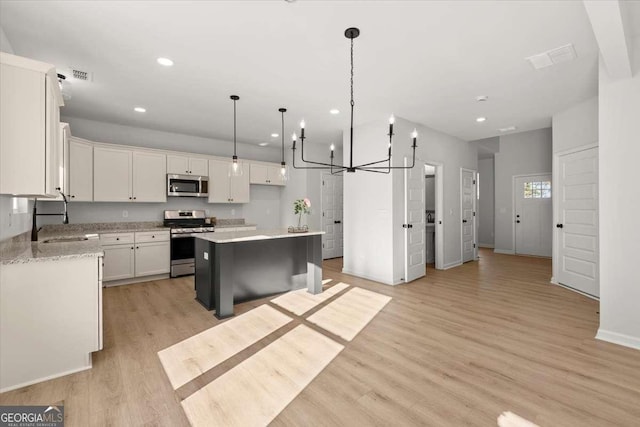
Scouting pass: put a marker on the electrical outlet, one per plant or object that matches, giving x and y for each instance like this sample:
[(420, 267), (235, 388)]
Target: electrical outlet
[(125, 214), (233, 212)]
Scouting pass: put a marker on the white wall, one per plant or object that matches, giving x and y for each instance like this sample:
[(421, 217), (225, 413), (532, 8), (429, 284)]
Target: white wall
[(374, 203), (486, 203), (576, 126), (520, 154), (619, 147)]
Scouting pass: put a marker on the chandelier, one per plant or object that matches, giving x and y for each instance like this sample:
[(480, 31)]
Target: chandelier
[(380, 166)]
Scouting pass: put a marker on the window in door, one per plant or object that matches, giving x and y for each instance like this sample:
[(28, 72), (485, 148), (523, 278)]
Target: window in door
[(537, 190)]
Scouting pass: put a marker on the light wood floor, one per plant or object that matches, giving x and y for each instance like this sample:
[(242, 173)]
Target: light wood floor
[(455, 348)]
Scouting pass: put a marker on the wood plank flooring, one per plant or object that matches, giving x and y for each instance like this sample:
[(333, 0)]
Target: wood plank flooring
[(457, 347)]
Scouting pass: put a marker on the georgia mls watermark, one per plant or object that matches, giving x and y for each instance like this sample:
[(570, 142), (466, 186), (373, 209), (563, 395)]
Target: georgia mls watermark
[(32, 416)]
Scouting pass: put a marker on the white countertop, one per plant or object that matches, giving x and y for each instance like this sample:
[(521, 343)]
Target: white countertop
[(252, 235)]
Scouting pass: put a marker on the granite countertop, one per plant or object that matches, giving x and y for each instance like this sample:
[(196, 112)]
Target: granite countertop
[(25, 251), (223, 226), (251, 235)]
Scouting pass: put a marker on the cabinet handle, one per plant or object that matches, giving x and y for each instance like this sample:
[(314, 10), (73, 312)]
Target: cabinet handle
[(137, 247), (134, 198), (132, 247), (117, 238), (58, 188), (73, 197), (129, 198)]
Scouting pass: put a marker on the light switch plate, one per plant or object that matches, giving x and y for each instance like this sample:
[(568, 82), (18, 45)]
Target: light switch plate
[(206, 255)]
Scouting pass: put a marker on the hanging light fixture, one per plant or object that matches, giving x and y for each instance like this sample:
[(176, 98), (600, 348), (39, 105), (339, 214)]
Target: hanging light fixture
[(235, 169), (284, 170), (377, 166)]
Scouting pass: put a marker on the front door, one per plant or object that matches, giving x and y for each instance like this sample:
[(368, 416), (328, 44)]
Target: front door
[(533, 215), (332, 216), (577, 226), (414, 222), (468, 207)]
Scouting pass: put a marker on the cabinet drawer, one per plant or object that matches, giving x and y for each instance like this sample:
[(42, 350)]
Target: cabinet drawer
[(116, 238), (152, 236)]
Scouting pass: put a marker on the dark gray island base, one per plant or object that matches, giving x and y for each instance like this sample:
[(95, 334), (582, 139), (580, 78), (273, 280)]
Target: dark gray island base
[(238, 266)]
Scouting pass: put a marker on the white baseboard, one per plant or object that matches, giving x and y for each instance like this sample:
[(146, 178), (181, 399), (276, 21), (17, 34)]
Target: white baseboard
[(368, 277), (486, 245), (504, 251), (135, 280), (49, 377), (554, 282), (452, 264), (620, 339)]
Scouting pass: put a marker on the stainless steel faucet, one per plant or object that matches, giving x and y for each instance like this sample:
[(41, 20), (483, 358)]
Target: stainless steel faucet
[(34, 227)]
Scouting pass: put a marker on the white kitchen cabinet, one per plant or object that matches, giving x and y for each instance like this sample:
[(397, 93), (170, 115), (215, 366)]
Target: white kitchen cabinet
[(149, 177), (30, 102), (112, 174), (152, 258), (132, 255), (261, 173), (185, 165), (224, 188), (119, 262), (123, 175), (79, 186)]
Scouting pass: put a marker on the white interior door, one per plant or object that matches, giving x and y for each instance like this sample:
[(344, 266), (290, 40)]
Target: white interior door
[(468, 207), (533, 215), (332, 240), (414, 222), (577, 227)]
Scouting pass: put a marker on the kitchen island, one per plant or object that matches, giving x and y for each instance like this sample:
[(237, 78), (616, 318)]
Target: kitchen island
[(239, 266)]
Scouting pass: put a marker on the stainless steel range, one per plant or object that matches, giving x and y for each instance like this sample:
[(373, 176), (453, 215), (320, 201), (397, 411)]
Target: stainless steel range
[(183, 225)]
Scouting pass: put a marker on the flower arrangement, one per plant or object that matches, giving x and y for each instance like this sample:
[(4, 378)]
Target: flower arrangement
[(301, 206)]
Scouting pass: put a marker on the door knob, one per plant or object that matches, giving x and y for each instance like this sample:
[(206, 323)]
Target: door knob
[(464, 220), (337, 222), (517, 221), (559, 225)]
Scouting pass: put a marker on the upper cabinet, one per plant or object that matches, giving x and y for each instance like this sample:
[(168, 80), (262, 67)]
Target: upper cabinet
[(30, 102), (124, 175), (184, 165), (79, 184), (261, 173), (224, 188)]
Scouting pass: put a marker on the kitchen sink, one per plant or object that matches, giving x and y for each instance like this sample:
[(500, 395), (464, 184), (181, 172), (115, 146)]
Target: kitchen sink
[(66, 239)]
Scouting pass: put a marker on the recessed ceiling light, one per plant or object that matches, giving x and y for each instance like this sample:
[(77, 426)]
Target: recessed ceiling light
[(481, 119), (334, 111), (263, 144), (274, 135), (507, 129), (140, 110), (165, 61), (482, 98)]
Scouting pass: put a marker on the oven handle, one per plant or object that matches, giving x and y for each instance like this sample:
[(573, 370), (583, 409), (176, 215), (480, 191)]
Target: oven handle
[(181, 236)]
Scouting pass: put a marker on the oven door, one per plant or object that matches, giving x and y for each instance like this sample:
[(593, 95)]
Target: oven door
[(187, 186), (182, 254)]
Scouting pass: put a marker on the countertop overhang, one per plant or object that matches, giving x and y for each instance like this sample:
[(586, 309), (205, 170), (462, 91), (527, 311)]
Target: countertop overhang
[(252, 235)]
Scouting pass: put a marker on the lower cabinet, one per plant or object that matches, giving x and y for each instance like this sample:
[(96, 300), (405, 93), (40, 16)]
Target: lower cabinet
[(133, 255)]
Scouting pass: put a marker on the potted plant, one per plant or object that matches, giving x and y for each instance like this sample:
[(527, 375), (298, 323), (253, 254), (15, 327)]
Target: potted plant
[(300, 207)]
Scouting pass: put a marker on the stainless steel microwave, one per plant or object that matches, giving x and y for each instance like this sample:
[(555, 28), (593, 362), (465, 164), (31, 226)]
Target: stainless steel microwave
[(187, 186)]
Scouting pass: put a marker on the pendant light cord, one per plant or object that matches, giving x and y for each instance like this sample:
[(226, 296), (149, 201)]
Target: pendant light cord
[(234, 127), (282, 134)]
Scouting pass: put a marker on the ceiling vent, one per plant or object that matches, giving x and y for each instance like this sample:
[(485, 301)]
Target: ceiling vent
[(81, 75), (507, 129), (553, 57)]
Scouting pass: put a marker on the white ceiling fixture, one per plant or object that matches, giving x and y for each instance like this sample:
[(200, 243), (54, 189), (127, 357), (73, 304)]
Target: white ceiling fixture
[(263, 144), (508, 129), (334, 111), (140, 110), (481, 119), (482, 98), (552, 57), (165, 61), (274, 135)]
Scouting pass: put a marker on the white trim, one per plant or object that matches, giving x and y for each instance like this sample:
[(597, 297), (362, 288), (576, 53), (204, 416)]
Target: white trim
[(452, 264), (617, 338), (49, 377), (486, 245), (554, 282), (133, 280), (504, 251), (374, 278)]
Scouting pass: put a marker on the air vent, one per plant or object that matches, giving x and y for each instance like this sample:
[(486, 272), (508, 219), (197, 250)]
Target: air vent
[(81, 75), (507, 129), (553, 57)]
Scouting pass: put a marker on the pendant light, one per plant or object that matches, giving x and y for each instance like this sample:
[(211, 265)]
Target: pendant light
[(377, 166), (235, 168), (284, 170)]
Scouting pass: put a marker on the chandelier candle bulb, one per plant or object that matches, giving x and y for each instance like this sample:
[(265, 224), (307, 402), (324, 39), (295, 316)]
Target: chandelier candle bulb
[(414, 135), (302, 129), (391, 122)]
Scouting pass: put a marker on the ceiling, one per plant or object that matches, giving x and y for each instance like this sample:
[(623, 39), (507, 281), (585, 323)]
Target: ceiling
[(425, 61)]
